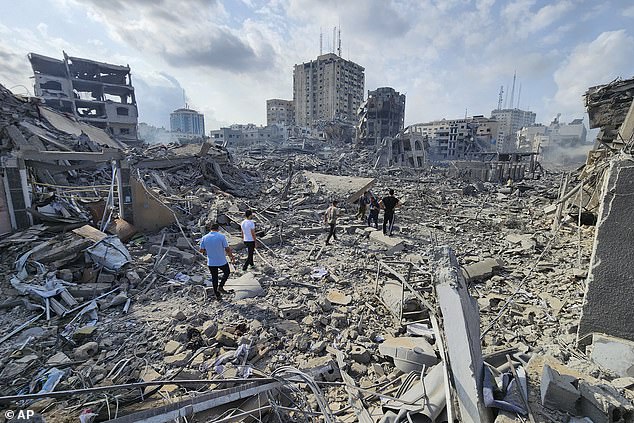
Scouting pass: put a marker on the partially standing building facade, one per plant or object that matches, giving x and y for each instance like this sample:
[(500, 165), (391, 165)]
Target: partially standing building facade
[(381, 115), (98, 93)]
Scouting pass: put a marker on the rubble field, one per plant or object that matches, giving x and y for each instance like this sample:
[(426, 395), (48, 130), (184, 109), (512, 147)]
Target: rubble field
[(473, 310)]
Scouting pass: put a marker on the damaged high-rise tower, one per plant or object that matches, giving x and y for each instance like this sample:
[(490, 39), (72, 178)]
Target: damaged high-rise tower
[(381, 115), (98, 93)]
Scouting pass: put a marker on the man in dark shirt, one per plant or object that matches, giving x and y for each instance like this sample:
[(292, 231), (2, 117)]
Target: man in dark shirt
[(388, 204)]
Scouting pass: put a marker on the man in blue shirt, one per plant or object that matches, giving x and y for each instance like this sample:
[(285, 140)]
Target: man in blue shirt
[(215, 246)]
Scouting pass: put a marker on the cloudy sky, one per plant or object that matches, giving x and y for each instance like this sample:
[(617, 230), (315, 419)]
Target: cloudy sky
[(229, 56)]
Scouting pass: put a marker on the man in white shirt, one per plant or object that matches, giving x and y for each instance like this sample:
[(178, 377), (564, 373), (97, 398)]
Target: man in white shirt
[(248, 236)]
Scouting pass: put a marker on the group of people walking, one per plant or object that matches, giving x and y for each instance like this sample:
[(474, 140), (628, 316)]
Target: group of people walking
[(215, 247), (368, 200)]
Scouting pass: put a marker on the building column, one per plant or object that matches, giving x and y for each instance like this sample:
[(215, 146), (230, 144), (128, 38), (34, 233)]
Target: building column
[(16, 189)]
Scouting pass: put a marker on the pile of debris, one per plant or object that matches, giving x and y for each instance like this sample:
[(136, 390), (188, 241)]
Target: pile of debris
[(108, 318)]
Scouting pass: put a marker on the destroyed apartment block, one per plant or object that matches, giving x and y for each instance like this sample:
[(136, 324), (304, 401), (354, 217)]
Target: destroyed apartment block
[(97, 93), (107, 313)]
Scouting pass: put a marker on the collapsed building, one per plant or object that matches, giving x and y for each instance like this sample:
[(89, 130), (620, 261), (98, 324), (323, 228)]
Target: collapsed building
[(381, 115), (485, 306), (97, 93)]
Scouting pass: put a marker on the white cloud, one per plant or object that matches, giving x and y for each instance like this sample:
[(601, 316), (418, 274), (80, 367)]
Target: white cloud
[(591, 64)]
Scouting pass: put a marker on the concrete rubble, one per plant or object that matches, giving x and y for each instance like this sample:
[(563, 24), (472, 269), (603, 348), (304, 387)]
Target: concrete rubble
[(484, 306)]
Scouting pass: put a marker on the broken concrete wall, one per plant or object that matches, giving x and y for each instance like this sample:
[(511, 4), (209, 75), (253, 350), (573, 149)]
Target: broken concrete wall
[(607, 305), (149, 213)]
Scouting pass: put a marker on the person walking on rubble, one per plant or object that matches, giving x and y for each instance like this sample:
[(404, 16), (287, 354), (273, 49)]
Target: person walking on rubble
[(214, 245), (374, 211), (248, 236), (389, 203), (364, 200), (330, 218)]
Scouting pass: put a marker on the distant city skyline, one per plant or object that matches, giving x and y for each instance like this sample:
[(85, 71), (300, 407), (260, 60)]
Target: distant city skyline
[(447, 56)]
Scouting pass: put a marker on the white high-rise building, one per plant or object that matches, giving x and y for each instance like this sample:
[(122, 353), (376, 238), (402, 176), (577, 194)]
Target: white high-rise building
[(511, 121)]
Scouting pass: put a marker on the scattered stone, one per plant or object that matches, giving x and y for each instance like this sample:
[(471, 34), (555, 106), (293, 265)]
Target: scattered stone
[(171, 347), (86, 351), (178, 315)]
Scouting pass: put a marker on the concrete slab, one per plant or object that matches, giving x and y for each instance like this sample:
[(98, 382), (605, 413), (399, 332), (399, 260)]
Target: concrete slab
[(338, 297), (409, 353), (345, 188), (461, 332), (482, 269), (607, 304), (393, 243), (613, 353), (246, 286), (559, 392)]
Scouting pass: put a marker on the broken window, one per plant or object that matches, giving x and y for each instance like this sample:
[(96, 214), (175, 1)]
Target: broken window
[(123, 111), (51, 85), (125, 131)]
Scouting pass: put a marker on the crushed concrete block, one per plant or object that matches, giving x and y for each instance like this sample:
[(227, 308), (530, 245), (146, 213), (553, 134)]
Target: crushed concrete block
[(210, 329), (227, 339), (133, 277), (84, 352), (319, 346), (58, 359), (409, 353), (559, 392), (171, 347), (290, 311), (178, 315), (179, 359), (358, 369), (360, 354), (246, 286), (325, 304), (105, 278), (65, 275), (623, 383), (613, 353), (394, 244), (322, 368), (482, 269), (338, 297), (182, 333), (601, 405), (182, 243), (338, 320)]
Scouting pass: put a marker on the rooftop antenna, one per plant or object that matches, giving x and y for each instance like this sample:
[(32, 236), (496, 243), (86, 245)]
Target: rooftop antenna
[(184, 98), (506, 97), (500, 98), (513, 90), (321, 42), (339, 48), (519, 95)]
